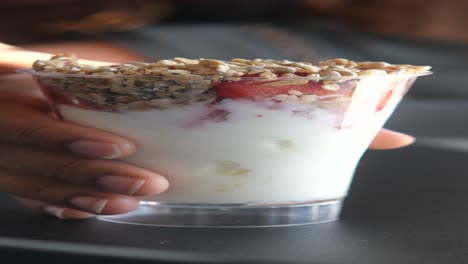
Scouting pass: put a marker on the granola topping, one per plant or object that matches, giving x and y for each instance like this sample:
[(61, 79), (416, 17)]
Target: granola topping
[(181, 81), (216, 69)]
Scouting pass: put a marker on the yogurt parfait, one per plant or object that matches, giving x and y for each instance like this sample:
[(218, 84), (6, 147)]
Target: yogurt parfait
[(241, 142)]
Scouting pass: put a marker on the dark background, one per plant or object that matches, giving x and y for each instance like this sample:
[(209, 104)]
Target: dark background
[(24, 21)]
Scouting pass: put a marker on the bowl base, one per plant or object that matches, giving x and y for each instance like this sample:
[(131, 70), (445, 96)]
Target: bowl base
[(229, 215)]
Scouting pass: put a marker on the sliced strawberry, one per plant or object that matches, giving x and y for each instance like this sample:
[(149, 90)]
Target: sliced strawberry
[(384, 100), (214, 114), (370, 97), (255, 90), (247, 90), (57, 95)]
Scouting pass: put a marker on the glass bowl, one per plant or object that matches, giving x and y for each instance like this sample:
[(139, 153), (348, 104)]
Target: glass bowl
[(238, 151)]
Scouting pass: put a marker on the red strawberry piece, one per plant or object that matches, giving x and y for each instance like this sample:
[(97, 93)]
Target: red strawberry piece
[(213, 115), (370, 97), (255, 90), (57, 95), (216, 115), (384, 100)]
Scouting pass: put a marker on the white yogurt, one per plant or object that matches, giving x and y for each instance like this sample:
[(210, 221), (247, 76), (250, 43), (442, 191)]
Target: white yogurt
[(256, 155)]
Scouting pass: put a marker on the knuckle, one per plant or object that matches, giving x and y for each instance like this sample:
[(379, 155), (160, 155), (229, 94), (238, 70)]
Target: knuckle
[(25, 134), (31, 188), (66, 168), (35, 188), (49, 193), (43, 192)]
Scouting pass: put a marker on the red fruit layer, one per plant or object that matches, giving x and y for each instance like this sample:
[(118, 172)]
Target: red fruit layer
[(384, 100), (255, 90)]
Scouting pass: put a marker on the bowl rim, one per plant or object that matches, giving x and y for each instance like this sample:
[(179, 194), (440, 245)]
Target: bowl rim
[(210, 77)]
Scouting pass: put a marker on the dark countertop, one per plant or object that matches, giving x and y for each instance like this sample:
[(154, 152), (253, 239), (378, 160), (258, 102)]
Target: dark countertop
[(405, 206)]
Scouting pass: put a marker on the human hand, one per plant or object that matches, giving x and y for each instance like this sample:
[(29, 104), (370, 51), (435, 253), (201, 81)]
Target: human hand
[(67, 170)]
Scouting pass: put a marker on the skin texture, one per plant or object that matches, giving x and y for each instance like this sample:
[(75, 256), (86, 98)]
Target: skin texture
[(67, 170)]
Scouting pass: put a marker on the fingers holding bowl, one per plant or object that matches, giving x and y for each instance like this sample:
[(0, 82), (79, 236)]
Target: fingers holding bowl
[(54, 210), (86, 199)]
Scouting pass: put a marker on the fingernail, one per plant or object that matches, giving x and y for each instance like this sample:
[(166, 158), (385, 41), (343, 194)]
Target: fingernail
[(95, 149), (55, 211), (121, 184), (94, 204), (69, 213), (66, 213), (410, 139), (405, 139)]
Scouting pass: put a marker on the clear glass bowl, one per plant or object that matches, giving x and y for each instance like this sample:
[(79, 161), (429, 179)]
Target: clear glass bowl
[(237, 152)]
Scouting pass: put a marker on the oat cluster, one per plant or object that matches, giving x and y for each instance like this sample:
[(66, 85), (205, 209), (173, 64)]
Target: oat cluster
[(179, 81)]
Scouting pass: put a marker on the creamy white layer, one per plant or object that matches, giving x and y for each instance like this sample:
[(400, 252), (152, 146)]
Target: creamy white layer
[(257, 154)]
